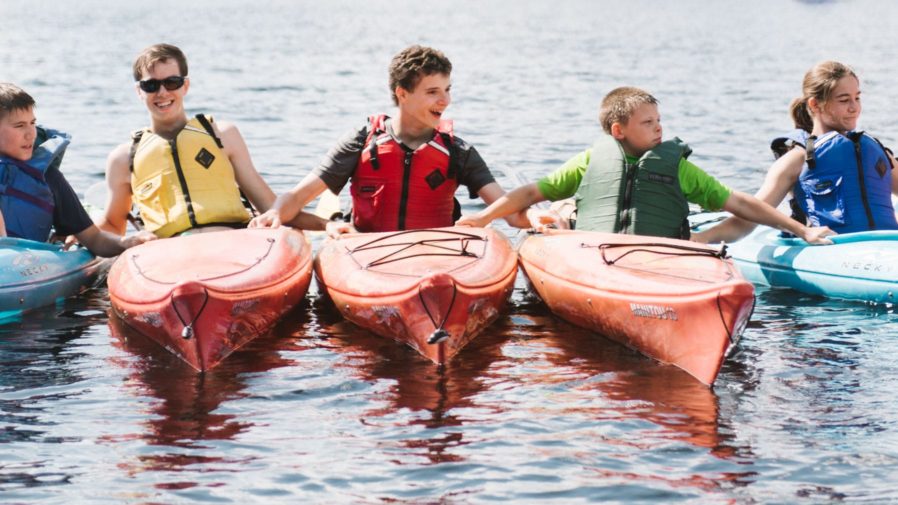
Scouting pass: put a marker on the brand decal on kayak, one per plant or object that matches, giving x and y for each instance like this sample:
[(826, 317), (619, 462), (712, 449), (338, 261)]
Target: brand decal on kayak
[(866, 267), (34, 270), (653, 311), (29, 264)]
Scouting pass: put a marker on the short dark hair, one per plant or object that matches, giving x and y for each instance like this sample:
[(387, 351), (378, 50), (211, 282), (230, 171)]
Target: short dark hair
[(619, 104), (413, 63), (13, 98), (159, 53)]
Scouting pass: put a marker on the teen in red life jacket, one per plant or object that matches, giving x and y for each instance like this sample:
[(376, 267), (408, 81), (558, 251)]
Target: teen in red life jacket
[(404, 169)]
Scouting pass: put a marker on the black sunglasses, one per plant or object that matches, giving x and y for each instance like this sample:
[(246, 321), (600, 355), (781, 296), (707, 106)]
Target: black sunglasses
[(171, 83)]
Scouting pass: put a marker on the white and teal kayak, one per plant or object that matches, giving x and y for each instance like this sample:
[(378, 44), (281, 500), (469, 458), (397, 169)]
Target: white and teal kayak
[(35, 274), (858, 266)]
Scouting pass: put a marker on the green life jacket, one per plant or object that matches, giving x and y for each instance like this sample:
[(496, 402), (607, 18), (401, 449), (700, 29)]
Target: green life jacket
[(644, 198)]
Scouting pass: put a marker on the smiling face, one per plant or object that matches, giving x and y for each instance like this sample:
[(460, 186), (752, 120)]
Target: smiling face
[(422, 107), (841, 110), (17, 133), (641, 132), (165, 106)]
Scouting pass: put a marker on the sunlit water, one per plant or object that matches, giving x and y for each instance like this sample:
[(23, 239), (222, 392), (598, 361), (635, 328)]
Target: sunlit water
[(534, 410)]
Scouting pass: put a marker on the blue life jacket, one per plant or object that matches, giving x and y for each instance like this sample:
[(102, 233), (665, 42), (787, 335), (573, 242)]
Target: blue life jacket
[(26, 200), (846, 182)]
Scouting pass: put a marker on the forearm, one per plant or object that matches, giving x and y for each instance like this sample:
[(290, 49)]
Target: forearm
[(518, 219), (754, 210), (111, 225), (290, 204), (513, 202), (100, 242), (730, 229), (308, 221)]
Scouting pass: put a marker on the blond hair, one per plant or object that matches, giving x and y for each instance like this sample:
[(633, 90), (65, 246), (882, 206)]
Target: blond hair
[(620, 104)]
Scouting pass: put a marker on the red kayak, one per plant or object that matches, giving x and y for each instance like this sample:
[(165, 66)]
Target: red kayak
[(204, 295), (679, 302), (433, 289)]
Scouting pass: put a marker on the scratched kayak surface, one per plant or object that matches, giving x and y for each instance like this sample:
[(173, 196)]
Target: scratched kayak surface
[(534, 409)]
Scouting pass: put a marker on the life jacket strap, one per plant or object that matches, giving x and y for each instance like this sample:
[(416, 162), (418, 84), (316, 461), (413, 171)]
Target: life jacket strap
[(372, 148), (135, 141), (889, 154), (798, 213), (452, 172), (27, 169), (207, 125), (25, 197), (810, 157)]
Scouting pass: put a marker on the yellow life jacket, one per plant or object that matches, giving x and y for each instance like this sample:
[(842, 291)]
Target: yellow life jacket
[(184, 183)]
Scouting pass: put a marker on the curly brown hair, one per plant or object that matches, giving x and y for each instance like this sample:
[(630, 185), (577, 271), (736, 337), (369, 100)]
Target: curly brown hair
[(414, 62)]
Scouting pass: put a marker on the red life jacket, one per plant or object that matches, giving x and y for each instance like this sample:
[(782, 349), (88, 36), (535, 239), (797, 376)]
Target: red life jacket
[(394, 188)]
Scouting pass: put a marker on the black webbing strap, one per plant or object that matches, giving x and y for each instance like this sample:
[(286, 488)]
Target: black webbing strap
[(810, 157), (135, 140), (207, 125)]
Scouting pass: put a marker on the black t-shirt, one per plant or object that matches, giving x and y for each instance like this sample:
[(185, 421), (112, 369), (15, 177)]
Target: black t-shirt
[(69, 216), (341, 161)]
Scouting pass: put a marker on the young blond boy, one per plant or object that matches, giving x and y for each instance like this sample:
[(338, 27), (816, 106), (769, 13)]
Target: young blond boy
[(632, 182)]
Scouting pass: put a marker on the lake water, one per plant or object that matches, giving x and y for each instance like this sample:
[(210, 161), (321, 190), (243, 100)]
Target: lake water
[(532, 411)]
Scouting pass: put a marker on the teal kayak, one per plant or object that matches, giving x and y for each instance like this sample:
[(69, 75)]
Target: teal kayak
[(858, 266), (35, 274)]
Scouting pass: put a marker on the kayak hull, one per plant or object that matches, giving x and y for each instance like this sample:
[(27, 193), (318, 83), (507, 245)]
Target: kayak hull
[(202, 296), (433, 290), (857, 266), (36, 274), (671, 300)]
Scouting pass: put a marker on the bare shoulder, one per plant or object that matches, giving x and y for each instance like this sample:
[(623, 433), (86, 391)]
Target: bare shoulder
[(796, 155), (225, 128), (230, 136), (792, 161), (119, 160)]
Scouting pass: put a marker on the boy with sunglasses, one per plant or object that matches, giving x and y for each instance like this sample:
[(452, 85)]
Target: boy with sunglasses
[(184, 174), (35, 197), (404, 170)]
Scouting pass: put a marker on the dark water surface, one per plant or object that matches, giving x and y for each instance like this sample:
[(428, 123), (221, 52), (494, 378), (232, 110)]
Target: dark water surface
[(534, 410)]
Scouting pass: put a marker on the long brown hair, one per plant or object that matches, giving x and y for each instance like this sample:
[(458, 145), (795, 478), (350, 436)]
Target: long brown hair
[(819, 82)]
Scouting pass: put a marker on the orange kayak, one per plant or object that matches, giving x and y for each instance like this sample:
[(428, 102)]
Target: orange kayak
[(433, 289), (204, 295), (679, 302)]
